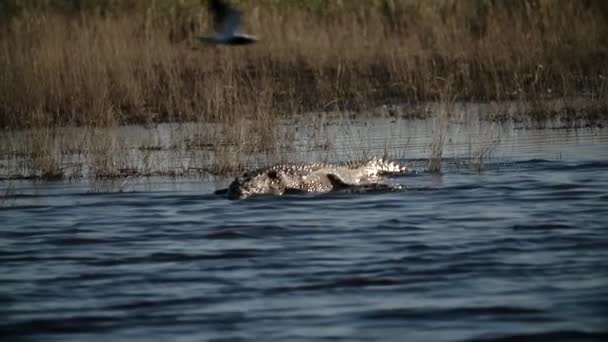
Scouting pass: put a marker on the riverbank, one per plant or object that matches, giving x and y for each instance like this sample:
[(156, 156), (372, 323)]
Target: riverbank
[(138, 62), (77, 77)]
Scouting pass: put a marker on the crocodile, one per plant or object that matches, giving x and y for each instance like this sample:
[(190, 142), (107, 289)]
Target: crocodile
[(282, 179)]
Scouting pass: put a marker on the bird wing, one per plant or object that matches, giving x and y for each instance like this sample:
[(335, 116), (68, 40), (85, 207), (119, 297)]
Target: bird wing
[(227, 19), (231, 25)]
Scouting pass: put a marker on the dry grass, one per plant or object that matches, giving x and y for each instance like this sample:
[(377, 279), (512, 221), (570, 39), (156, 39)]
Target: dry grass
[(137, 61), (107, 63)]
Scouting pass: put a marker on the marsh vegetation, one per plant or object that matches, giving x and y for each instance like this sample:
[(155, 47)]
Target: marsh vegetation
[(90, 66)]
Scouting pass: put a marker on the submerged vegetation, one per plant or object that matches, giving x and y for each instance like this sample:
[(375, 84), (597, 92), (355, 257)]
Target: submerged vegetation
[(106, 63)]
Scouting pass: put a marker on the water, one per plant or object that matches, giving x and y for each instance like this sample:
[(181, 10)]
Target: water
[(186, 149), (517, 251)]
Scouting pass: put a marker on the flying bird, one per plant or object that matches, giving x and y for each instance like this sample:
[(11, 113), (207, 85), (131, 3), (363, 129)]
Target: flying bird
[(227, 22)]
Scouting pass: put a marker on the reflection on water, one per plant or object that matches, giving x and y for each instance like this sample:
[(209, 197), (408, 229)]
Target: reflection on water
[(197, 149), (516, 251)]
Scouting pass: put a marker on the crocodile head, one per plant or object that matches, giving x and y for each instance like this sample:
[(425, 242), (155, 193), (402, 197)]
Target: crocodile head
[(259, 183)]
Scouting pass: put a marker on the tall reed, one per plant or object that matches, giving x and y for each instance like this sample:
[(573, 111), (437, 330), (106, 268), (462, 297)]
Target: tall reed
[(106, 63), (110, 62)]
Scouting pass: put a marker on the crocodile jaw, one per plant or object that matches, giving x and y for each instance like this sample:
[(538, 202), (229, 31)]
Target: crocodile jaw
[(268, 183)]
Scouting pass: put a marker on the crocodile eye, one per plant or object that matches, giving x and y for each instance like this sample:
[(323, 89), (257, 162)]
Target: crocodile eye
[(272, 174)]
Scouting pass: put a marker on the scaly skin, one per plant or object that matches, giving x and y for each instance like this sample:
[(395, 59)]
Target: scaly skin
[(311, 177)]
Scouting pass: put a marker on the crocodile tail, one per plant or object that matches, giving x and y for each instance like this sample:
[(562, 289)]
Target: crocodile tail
[(390, 167), (380, 165)]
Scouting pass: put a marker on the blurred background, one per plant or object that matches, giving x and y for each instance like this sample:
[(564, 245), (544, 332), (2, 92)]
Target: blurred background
[(105, 62)]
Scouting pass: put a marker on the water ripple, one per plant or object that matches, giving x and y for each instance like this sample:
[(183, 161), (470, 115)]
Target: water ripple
[(514, 253)]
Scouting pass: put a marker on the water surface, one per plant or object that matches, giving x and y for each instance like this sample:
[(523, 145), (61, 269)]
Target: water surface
[(518, 250)]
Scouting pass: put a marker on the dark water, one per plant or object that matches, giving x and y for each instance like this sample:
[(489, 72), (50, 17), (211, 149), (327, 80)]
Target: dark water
[(519, 251)]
